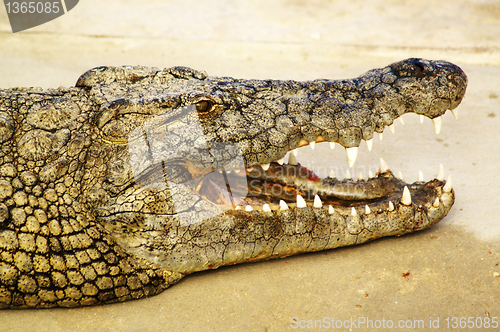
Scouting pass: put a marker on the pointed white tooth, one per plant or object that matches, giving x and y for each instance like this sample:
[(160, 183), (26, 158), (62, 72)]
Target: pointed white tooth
[(437, 124), (283, 205), (370, 174), (281, 161), (248, 208), (455, 113), (436, 203), (332, 174), (367, 209), (238, 208), (383, 166), (352, 154), (348, 175), (228, 171), (292, 160), (391, 206), (300, 202), (421, 117), (330, 209), (400, 175), (295, 152), (249, 169), (266, 208), (406, 199), (401, 120), (312, 144), (447, 186), (220, 171), (265, 167), (381, 136), (360, 176), (440, 175), (237, 171), (420, 176), (332, 145), (317, 202), (391, 127), (353, 212), (369, 144)]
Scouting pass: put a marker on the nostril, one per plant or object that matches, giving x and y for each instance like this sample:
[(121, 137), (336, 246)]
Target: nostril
[(419, 67)]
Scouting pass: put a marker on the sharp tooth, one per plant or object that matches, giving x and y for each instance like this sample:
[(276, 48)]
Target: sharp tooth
[(300, 202), (228, 171), (360, 176), (266, 208), (283, 205), (249, 169), (436, 203), (330, 209), (238, 208), (332, 174), (437, 124), (353, 212), (295, 152), (421, 117), (391, 127), (281, 161), (401, 120), (370, 174), (312, 144), (400, 175), (303, 142), (381, 136), (440, 175), (348, 175), (455, 113), (447, 186), (406, 199), (352, 154), (420, 176), (367, 209), (292, 160), (265, 167), (237, 170), (248, 208), (317, 202), (369, 144), (332, 145), (383, 166), (391, 206)]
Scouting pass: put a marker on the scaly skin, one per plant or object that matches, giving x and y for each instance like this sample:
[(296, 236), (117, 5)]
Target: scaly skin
[(87, 218)]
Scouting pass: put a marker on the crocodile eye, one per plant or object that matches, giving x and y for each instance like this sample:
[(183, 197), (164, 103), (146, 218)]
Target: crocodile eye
[(203, 106)]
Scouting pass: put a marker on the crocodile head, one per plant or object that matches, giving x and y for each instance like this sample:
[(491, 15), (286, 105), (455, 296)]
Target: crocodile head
[(116, 188), (184, 148)]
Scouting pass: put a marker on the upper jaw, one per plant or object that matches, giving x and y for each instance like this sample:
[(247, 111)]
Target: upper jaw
[(346, 112)]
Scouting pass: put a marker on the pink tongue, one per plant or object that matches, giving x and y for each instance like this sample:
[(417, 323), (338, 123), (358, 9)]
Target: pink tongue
[(277, 171)]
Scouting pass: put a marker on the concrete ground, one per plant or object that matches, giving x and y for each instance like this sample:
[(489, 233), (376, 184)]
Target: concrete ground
[(451, 266)]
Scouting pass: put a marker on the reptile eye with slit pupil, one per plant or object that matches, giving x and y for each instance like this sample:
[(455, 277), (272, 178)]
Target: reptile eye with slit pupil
[(203, 106)]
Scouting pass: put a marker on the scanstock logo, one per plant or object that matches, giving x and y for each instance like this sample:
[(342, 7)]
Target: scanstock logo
[(162, 148), (25, 15)]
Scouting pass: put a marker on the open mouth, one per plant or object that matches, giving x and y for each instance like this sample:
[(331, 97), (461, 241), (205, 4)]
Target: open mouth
[(286, 184)]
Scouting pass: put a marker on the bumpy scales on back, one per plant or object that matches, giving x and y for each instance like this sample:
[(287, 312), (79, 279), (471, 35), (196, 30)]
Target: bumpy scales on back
[(115, 189)]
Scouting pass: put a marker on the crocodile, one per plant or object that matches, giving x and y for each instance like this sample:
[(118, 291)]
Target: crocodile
[(117, 188)]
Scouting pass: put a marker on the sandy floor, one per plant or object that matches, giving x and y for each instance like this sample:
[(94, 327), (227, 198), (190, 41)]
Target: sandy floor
[(451, 265)]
